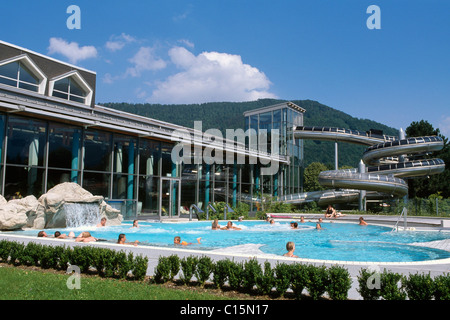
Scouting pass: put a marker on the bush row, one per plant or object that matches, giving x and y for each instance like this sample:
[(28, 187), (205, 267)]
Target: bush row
[(106, 262), (393, 286), (248, 276), (251, 277)]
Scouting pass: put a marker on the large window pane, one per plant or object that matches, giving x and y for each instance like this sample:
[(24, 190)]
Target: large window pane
[(9, 70), (97, 146), (124, 154), (62, 85), (24, 181), (55, 177), (26, 141), (76, 89), (148, 195), (123, 186), (97, 183), (64, 146), (26, 75), (149, 157), (169, 169)]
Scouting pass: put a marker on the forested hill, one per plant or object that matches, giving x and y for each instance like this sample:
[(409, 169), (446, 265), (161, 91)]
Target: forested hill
[(229, 115)]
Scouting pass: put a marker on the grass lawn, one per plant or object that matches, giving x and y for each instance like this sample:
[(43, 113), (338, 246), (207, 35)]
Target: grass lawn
[(27, 284)]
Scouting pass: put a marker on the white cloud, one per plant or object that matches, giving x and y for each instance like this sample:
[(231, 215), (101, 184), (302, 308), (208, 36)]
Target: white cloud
[(72, 50), (444, 126), (211, 76), (145, 60), (118, 42)]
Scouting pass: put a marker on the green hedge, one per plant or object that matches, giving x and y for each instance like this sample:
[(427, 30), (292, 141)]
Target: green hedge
[(393, 286), (249, 276), (106, 262)]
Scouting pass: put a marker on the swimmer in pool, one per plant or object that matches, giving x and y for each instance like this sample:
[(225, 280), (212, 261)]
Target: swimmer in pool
[(177, 241), (215, 225), (230, 227), (290, 247), (362, 222)]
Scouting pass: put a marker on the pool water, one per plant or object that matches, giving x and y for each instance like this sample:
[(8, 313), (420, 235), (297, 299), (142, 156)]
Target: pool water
[(336, 241)]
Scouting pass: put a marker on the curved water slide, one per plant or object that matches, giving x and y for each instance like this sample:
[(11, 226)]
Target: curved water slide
[(388, 160)]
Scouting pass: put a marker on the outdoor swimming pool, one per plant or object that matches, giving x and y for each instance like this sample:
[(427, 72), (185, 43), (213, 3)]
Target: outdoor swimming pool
[(336, 241)]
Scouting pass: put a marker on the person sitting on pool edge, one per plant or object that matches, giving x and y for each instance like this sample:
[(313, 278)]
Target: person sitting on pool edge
[(177, 241), (290, 247), (122, 238), (230, 227)]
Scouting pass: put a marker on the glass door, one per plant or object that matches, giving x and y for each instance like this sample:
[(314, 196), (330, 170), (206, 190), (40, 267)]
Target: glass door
[(170, 197)]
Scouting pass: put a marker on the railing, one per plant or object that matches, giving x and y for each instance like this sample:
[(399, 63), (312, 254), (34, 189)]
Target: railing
[(404, 215), (191, 208)]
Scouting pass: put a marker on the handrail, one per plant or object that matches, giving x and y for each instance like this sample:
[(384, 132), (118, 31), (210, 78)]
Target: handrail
[(209, 206), (194, 206), (404, 215)]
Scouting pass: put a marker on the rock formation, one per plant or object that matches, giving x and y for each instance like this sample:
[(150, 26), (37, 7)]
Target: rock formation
[(49, 210)]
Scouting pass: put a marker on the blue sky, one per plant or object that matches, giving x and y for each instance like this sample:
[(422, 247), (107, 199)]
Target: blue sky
[(240, 50)]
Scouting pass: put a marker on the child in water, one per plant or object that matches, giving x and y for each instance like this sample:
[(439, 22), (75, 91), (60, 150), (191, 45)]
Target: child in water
[(177, 241)]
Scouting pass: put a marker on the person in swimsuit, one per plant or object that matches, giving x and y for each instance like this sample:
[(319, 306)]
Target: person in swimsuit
[(177, 241), (122, 240), (290, 247)]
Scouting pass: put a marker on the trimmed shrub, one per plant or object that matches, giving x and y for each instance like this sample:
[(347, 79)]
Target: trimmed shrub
[(4, 250), (267, 281), (162, 271), (251, 275), (282, 278), (299, 279), (392, 286), (48, 258), (339, 283), (123, 264), (31, 254), (188, 267), (365, 279), (419, 287), (15, 251), (442, 287), (205, 267), (82, 257), (221, 271), (174, 262), (235, 274), (139, 269), (317, 283)]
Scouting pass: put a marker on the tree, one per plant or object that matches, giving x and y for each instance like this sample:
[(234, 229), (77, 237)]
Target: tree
[(424, 186), (311, 176)]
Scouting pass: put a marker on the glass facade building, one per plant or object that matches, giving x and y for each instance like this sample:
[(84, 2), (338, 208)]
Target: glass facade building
[(282, 118), (52, 132)]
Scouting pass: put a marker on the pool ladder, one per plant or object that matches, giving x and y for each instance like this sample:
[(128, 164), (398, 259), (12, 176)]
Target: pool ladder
[(404, 214)]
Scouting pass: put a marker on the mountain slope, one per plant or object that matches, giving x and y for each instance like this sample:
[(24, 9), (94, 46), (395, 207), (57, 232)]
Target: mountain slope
[(229, 115)]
